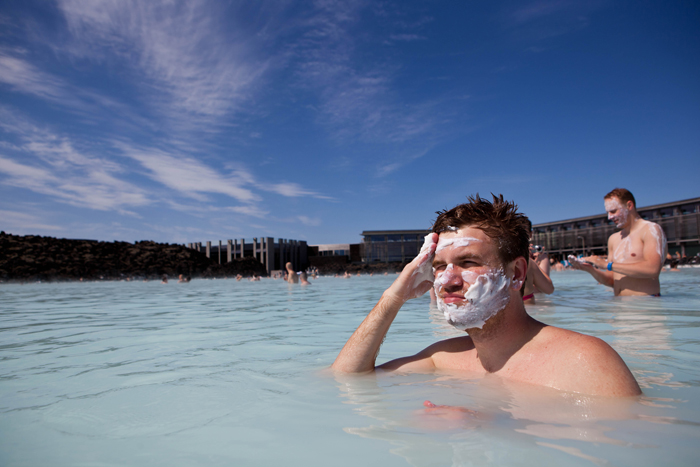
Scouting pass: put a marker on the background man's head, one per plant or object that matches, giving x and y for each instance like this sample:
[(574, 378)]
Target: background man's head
[(499, 220), (623, 195)]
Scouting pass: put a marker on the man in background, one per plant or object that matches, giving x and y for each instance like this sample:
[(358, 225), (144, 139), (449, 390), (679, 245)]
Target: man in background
[(635, 254)]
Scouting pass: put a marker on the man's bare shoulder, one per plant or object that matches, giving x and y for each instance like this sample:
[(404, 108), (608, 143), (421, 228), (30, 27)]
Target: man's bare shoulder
[(564, 339), (586, 364), (648, 227)]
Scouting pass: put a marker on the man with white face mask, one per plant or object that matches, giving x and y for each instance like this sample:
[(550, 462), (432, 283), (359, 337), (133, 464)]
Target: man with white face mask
[(479, 257), (635, 254)]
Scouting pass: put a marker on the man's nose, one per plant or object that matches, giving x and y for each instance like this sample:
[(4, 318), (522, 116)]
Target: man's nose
[(453, 280)]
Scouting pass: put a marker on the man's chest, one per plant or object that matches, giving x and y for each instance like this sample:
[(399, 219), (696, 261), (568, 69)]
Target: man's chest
[(628, 249)]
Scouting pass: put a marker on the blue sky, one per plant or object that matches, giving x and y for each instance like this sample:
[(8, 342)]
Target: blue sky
[(194, 121)]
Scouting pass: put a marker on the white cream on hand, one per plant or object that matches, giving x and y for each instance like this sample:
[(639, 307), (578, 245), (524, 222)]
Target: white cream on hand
[(424, 272)]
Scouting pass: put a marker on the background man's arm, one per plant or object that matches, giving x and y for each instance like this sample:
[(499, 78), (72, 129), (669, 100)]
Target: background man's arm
[(652, 260), (540, 280), (603, 277), (542, 260), (360, 351)]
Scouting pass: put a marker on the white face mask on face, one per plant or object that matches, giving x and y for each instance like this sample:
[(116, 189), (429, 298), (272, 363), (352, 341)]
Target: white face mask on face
[(621, 212), (487, 295)]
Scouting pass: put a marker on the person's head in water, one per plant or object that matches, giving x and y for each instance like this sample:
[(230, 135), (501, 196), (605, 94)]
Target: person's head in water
[(500, 220), (619, 204)]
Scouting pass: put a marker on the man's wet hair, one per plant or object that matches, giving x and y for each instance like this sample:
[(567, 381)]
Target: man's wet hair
[(623, 195), (500, 220)]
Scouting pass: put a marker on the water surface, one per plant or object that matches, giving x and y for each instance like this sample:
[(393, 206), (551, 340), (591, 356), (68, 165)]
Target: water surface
[(219, 372)]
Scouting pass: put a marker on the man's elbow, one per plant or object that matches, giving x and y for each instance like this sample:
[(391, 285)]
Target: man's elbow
[(342, 367)]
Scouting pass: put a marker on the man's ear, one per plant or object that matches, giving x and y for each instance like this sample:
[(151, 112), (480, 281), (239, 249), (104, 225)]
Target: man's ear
[(630, 205), (519, 268)]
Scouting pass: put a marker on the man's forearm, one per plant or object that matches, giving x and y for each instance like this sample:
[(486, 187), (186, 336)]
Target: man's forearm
[(603, 277), (640, 270), (360, 351)]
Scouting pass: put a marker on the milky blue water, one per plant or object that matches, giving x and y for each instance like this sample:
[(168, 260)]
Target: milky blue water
[(219, 372)]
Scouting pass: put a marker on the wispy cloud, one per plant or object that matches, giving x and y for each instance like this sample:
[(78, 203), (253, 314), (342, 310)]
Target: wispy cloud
[(13, 221), (313, 222), (405, 38), (94, 190), (199, 210), (291, 190), (52, 166), (24, 77), (180, 48), (191, 177), (539, 9), (195, 179), (544, 19), (21, 75), (357, 97)]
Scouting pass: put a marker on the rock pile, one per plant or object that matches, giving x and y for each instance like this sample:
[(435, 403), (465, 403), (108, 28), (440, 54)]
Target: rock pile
[(31, 258)]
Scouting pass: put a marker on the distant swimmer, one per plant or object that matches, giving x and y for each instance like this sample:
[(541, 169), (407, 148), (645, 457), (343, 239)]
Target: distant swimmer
[(476, 260), (292, 276), (635, 254), (304, 278)]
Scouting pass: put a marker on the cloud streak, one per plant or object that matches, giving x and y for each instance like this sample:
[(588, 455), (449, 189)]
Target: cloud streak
[(179, 48), (24, 77), (195, 179), (357, 97), (191, 177), (52, 166), (12, 220)]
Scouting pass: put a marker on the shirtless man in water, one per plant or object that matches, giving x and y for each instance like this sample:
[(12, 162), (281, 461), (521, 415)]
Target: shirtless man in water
[(636, 253), (292, 276), (479, 257)]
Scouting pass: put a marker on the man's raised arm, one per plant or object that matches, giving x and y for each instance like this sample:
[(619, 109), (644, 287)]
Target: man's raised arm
[(360, 351)]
